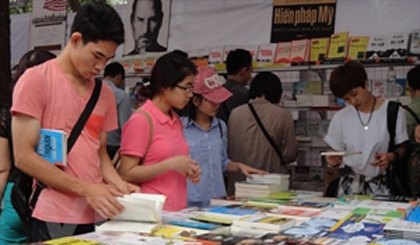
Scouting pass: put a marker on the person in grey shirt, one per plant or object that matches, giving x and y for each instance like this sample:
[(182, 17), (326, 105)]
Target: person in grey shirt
[(114, 76), (239, 68)]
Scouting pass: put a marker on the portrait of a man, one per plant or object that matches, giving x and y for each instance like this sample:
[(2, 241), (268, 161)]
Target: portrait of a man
[(147, 19)]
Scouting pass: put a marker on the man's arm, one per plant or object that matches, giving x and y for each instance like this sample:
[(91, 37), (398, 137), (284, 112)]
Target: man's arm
[(124, 110), (109, 172), (25, 131), (4, 164)]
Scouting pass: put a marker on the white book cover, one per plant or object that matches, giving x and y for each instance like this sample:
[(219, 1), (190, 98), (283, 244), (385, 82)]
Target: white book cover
[(266, 53), (415, 42), (216, 55), (397, 45), (143, 213)]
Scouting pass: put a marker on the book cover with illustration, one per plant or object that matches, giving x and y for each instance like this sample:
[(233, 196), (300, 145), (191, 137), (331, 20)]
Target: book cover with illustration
[(52, 146), (266, 53), (338, 46), (377, 47), (319, 49), (283, 53), (357, 230), (358, 47), (312, 227), (300, 50)]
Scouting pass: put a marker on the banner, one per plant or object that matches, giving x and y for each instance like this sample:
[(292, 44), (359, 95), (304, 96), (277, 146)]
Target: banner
[(299, 19), (147, 26), (48, 27)]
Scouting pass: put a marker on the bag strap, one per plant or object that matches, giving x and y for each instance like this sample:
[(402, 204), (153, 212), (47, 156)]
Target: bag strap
[(75, 132), (392, 114), (80, 124), (273, 144), (412, 113), (151, 132)]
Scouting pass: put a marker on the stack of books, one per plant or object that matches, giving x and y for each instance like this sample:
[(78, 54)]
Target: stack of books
[(260, 186), (400, 229)]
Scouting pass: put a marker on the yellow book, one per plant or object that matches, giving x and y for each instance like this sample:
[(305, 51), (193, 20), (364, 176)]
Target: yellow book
[(74, 241), (357, 48), (338, 45), (319, 49)]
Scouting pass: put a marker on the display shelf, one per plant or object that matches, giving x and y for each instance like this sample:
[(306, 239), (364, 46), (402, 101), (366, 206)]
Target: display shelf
[(314, 67)]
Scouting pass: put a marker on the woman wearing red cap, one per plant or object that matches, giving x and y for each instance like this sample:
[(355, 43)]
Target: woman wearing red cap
[(207, 138)]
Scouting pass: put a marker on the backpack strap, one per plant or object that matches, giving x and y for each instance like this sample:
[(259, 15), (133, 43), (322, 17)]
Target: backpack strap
[(392, 115), (412, 113), (272, 143), (75, 132)]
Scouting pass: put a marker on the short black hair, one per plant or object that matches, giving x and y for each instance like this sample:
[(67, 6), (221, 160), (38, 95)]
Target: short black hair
[(157, 6), (238, 59), (97, 21), (267, 84), (346, 77), (413, 78), (180, 52), (191, 110), (113, 69), (169, 70)]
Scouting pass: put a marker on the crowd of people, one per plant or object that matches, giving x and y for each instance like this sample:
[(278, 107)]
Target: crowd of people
[(225, 133)]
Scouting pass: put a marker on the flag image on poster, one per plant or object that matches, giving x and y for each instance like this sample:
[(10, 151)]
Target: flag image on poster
[(147, 26), (55, 5), (48, 25), (297, 19)]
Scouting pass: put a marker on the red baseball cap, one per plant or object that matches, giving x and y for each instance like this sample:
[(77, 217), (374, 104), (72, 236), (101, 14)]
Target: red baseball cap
[(208, 83)]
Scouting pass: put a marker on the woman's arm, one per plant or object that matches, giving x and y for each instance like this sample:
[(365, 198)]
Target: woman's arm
[(131, 171), (5, 164)]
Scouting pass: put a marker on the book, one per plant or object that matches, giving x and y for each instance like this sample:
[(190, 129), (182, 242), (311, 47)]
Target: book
[(397, 45), (306, 205), (389, 241), (268, 178), (311, 227), (195, 224), (338, 46), (258, 186), (143, 213), (212, 219), (232, 213), (72, 240), (299, 50), (340, 153), (261, 224), (283, 53), (52, 146), (227, 200), (296, 214), (266, 53), (216, 55), (415, 43), (357, 230), (253, 50), (396, 206), (357, 48), (377, 47), (319, 49)]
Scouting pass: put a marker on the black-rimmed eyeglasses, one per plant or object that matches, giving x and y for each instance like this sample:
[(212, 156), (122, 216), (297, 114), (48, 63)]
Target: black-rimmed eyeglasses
[(186, 89)]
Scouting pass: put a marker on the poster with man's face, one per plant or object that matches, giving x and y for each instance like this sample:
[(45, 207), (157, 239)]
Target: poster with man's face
[(147, 26)]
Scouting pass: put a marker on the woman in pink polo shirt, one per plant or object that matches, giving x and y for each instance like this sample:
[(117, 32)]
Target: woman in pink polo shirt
[(166, 165)]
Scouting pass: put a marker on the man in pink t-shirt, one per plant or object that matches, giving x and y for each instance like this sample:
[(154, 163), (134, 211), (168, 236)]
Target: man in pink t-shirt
[(53, 96)]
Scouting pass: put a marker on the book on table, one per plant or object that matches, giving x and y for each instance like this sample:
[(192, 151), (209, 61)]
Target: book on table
[(143, 214), (261, 224)]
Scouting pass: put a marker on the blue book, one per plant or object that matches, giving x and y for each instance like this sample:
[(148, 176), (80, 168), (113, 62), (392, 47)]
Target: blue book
[(195, 224), (390, 241), (351, 230), (52, 146)]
